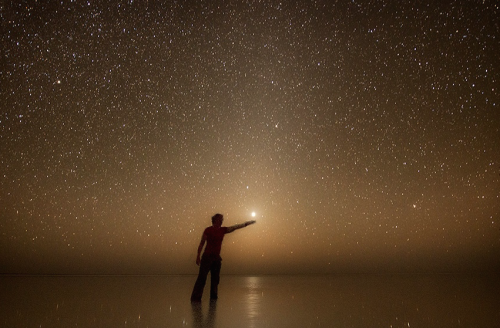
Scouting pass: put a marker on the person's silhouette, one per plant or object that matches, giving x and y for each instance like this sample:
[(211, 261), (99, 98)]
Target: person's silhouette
[(211, 260)]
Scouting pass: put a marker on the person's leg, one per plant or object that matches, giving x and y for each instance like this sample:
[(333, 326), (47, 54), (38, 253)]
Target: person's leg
[(201, 280), (214, 279)]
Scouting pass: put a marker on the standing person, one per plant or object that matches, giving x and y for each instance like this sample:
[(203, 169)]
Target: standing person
[(211, 260)]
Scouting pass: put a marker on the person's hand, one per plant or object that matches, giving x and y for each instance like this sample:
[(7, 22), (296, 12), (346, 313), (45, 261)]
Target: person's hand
[(198, 260), (250, 222)]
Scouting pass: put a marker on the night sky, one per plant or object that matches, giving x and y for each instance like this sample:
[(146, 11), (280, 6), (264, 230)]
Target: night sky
[(365, 135)]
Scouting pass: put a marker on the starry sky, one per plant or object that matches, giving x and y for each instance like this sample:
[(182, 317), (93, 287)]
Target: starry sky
[(364, 135)]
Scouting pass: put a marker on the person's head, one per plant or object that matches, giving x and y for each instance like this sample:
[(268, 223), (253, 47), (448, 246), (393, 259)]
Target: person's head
[(217, 220)]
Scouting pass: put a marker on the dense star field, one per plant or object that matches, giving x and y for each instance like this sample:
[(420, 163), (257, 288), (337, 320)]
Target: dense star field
[(364, 135)]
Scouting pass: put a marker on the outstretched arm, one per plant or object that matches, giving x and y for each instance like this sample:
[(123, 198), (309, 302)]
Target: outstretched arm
[(200, 248), (239, 226)]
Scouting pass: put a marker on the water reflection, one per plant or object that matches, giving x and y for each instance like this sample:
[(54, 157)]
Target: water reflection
[(253, 299), (443, 301), (201, 321)]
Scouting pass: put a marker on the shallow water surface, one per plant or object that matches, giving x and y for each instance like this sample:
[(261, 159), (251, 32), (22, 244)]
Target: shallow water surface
[(244, 301)]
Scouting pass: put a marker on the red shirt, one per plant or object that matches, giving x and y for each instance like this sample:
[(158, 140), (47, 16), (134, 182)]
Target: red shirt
[(214, 239)]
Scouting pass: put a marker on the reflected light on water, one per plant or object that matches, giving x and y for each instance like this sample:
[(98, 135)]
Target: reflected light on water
[(253, 298)]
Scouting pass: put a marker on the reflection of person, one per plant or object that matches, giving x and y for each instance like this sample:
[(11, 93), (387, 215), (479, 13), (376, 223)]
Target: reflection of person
[(200, 321), (211, 260)]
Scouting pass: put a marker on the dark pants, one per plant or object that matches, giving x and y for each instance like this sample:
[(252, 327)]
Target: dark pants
[(212, 264)]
